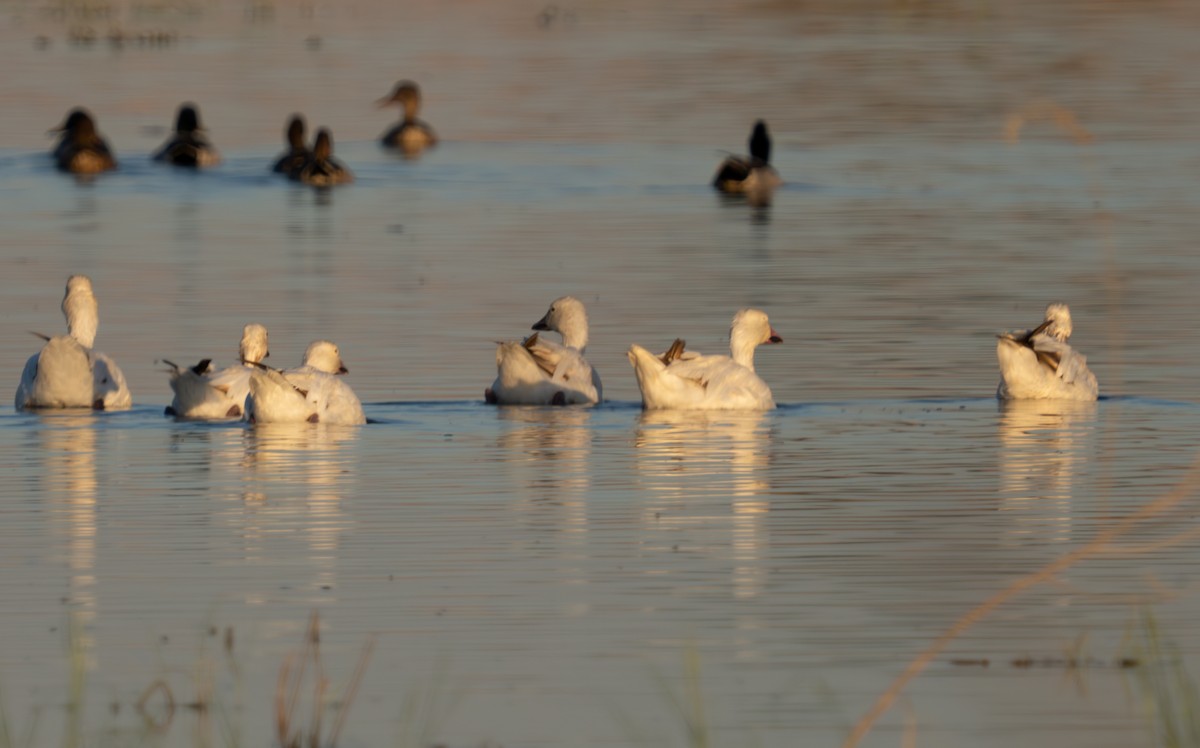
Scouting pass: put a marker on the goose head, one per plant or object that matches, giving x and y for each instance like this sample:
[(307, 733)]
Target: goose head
[(1059, 317), (323, 355), (81, 310), (750, 329), (568, 317), (254, 343)]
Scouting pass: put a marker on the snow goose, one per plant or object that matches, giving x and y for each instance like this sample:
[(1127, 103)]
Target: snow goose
[(683, 380), (412, 135), (752, 175), (204, 394), (81, 150), (188, 146), (1038, 364), (541, 372), (310, 393), (67, 372)]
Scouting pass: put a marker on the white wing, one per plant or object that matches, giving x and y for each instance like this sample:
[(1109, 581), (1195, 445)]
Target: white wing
[(108, 383)]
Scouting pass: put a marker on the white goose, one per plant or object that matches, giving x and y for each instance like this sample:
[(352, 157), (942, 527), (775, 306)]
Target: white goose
[(67, 373), (1038, 364), (686, 380), (310, 393), (204, 394), (542, 372)]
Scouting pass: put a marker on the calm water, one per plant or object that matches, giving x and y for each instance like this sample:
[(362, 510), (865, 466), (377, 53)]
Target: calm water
[(547, 577)]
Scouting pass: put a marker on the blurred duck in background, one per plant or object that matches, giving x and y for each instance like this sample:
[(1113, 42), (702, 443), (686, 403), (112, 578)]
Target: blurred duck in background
[(187, 146), (751, 175), (321, 169), (297, 154), (412, 135), (80, 149)]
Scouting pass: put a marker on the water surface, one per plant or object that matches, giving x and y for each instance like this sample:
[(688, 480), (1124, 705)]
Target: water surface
[(545, 576)]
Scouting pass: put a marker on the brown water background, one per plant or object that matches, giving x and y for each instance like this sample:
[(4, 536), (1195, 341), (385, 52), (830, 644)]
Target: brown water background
[(540, 573)]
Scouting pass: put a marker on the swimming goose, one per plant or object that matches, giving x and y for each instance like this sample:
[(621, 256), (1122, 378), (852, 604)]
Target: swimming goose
[(67, 372), (541, 372), (681, 379), (311, 393), (322, 169), (81, 150), (1038, 364), (204, 394), (753, 174), (412, 135), (297, 153), (188, 146)]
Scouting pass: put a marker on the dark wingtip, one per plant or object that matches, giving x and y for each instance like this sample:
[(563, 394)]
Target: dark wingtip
[(1029, 336), (674, 352)]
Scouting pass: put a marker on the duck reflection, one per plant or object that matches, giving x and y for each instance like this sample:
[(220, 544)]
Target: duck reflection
[(705, 458), (294, 477), (551, 447), (68, 479), (1043, 445)]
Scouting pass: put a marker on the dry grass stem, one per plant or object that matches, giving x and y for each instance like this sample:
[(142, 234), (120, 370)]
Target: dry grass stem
[(909, 738), (288, 689), (1099, 544), (1169, 695), (360, 669)]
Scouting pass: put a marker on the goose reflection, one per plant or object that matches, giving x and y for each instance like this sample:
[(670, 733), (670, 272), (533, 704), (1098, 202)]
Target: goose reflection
[(694, 461), (1043, 445), (294, 477), (70, 486), (550, 449)]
